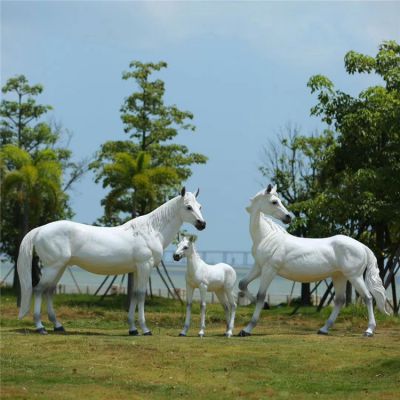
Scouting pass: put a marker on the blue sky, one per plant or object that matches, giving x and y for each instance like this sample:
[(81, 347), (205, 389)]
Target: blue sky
[(240, 67)]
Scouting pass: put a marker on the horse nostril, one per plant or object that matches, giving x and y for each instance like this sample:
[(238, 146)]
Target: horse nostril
[(200, 225), (288, 218)]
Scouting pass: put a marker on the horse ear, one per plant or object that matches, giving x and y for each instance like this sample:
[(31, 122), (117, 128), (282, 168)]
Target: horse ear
[(268, 189), (197, 193), (274, 189), (183, 191)]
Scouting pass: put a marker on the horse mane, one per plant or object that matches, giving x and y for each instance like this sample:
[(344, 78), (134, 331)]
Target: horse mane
[(156, 218), (273, 225)]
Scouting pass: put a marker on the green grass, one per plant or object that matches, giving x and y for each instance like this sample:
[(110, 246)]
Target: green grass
[(283, 359)]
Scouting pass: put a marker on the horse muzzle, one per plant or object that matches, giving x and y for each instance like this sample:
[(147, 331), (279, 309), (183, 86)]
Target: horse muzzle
[(176, 257), (200, 225), (287, 219)]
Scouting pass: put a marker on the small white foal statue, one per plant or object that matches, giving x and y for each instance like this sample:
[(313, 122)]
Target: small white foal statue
[(219, 278)]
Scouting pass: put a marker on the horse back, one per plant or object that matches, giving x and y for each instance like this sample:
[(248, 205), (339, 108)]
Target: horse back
[(97, 249)]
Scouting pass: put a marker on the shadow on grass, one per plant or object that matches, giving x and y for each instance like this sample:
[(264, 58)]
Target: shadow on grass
[(25, 331)]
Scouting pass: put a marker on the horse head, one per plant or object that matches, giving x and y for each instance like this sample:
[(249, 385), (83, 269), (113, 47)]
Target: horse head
[(182, 248), (190, 210), (270, 204)]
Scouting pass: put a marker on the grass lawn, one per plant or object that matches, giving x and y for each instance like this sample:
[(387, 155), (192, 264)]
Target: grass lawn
[(284, 359)]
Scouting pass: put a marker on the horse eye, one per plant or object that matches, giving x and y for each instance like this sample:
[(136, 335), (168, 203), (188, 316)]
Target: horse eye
[(274, 202), (189, 208), (185, 248)]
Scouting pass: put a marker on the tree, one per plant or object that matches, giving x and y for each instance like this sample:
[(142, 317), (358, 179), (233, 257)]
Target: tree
[(134, 182), (33, 184), (19, 113), (36, 172), (152, 126), (157, 165), (365, 166), (362, 174)]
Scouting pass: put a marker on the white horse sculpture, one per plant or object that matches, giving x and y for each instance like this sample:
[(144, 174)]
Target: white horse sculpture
[(136, 246), (276, 252), (219, 278)]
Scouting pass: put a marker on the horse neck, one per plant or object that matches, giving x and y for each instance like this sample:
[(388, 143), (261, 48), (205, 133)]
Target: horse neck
[(164, 220), (167, 221), (261, 227), (193, 259)]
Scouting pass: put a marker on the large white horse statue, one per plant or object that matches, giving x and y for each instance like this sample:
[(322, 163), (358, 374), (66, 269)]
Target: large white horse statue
[(218, 278), (276, 252), (136, 246)]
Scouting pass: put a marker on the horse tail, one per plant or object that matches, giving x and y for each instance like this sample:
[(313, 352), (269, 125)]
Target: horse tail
[(24, 267), (374, 282)]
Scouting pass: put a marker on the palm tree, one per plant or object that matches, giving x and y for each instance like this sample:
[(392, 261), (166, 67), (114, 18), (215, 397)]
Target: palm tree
[(31, 193), (137, 185), (33, 183)]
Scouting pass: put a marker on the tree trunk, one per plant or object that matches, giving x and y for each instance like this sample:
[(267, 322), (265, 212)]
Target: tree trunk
[(305, 294), (380, 244), (349, 291), (24, 229), (16, 284)]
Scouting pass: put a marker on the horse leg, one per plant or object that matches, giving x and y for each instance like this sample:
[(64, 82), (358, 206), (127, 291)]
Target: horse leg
[(49, 276), (359, 285), (232, 306), (267, 275), (37, 312), (253, 274), (143, 274), (189, 298), (50, 311), (203, 294), (225, 305), (132, 307), (339, 284)]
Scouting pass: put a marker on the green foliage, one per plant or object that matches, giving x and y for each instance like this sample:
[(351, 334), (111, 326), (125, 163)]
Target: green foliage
[(294, 164), (361, 178), (36, 182), (35, 172), (147, 169), (135, 181), (347, 179), (19, 113)]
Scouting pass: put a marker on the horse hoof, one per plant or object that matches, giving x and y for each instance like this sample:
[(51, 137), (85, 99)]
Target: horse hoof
[(182, 335), (134, 333), (368, 334), (243, 333), (228, 335), (59, 329), (322, 333), (148, 333), (41, 331), (201, 335)]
